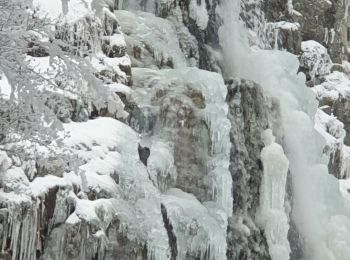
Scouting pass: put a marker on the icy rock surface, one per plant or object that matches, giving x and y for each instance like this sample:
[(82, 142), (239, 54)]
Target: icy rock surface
[(314, 61), (99, 199), (155, 157), (333, 132), (88, 195), (250, 113), (328, 28), (190, 115), (151, 40), (333, 96)]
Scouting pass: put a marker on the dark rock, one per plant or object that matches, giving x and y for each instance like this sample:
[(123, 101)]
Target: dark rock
[(37, 50), (207, 39), (318, 15), (144, 153), (338, 67), (171, 234), (335, 164), (250, 114), (113, 51)]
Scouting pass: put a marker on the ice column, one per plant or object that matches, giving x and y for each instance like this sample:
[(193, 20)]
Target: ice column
[(271, 215)]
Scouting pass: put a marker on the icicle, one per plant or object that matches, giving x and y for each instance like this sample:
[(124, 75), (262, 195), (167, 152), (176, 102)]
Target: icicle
[(290, 6), (332, 31), (276, 34), (346, 4), (325, 35), (22, 230)]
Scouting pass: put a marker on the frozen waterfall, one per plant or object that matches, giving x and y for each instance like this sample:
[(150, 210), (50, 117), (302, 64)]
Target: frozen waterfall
[(177, 130), (319, 206)]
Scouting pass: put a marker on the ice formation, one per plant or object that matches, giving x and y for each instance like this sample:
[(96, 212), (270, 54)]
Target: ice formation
[(212, 87), (5, 87), (205, 236), (303, 147), (154, 35), (198, 12), (141, 164), (272, 215)]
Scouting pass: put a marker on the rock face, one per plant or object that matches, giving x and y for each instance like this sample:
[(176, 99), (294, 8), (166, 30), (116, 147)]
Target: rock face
[(250, 114), (290, 23), (284, 27), (315, 62), (325, 22)]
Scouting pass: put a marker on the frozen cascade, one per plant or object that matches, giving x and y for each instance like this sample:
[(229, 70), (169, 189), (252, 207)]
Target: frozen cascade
[(212, 87), (174, 121), (318, 202), (199, 234), (161, 165), (175, 200), (272, 215)]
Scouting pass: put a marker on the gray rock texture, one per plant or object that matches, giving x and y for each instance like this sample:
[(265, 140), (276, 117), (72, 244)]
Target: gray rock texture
[(250, 113)]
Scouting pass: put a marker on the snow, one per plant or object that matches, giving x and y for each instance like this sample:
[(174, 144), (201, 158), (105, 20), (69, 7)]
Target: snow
[(93, 133), (315, 57), (142, 222), (104, 147), (284, 26), (5, 161), (118, 87), (5, 87), (50, 69), (116, 39), (101, 62), (71, 10), (330, 128), (198, 12), (110, 158), (335, 86)]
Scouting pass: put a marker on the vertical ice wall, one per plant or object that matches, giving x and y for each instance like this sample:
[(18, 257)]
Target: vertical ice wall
[(318, 202)]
